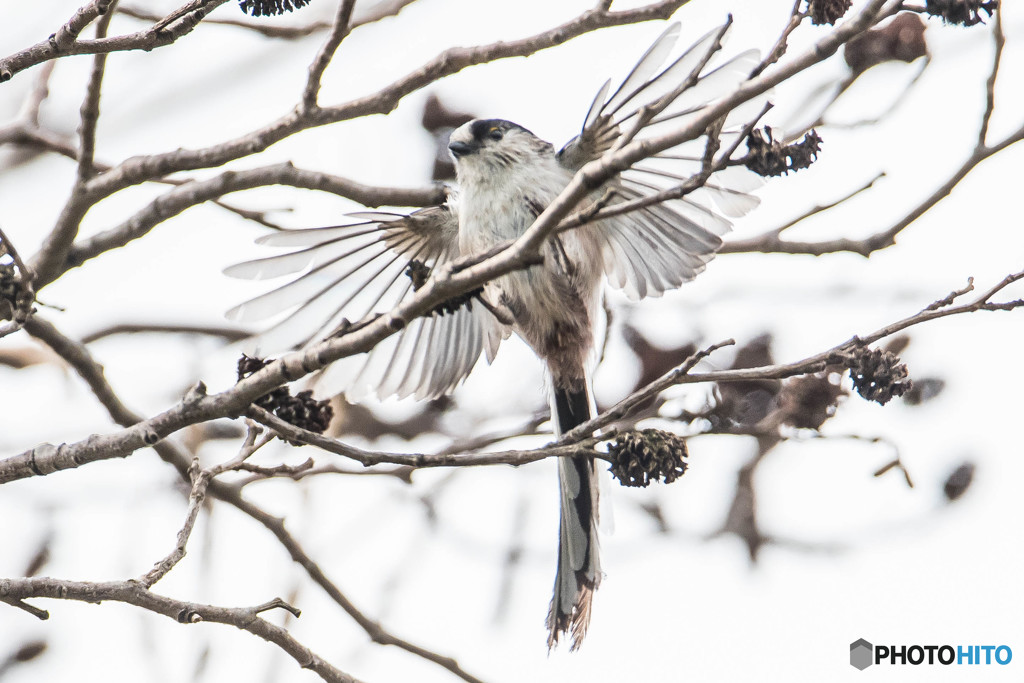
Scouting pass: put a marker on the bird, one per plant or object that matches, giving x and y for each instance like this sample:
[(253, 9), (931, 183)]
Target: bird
[(505, 178)]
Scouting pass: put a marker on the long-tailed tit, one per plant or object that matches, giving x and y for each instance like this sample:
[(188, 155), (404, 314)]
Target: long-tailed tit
[(506, 178)]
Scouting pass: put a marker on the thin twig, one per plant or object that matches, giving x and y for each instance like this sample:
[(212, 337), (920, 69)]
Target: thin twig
[(90, 110), (581, 447), (40, 91), (709, 166), (884, 238), (69, 32), (309, 468), (195, 8), (772, 236), (999, 41), (200, 483), (831, 205), (360, 18), (779, 49), (622, 408), (339, 30), (228, 334)]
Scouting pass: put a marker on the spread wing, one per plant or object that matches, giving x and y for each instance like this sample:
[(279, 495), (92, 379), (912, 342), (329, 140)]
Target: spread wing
[(349, 271), (651, 250)]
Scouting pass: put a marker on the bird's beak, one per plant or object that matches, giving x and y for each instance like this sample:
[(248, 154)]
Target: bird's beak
[(461, 149)]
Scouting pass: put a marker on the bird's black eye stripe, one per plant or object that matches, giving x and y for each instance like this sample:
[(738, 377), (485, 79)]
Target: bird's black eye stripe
[(492, 129)]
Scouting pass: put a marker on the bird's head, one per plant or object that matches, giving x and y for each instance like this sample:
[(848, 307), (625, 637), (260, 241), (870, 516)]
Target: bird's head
[(492, 144)]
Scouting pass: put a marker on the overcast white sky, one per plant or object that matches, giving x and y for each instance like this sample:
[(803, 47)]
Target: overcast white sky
[(870, 558)]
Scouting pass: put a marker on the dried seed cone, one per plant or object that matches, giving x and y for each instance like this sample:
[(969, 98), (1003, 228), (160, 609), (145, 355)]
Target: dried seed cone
[(640, 457)]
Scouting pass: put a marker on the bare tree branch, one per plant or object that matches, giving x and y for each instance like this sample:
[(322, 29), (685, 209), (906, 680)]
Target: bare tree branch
[(290, 432), (453, 280), (141, 169), (815, 363), (201, 479), (90, 111), (772, 238), (309, 468), (28, 133), (360, 18), (771, 242), (622, 408), (69, 32), (40, 91), (373, 629), (999, 41), (229, 334), (200, 482), (45, 458), (196, 192), (78, 356), (65, 41), (340, 29), (15, 591), (796, 17), (63, 249), (86, 366)]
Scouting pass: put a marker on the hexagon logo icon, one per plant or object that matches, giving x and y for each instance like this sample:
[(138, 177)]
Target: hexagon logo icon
[(861, 654)]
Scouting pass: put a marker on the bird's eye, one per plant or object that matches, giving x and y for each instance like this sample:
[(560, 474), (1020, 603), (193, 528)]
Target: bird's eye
[(495, 134)]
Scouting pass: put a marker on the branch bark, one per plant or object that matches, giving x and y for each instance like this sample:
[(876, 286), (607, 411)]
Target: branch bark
[(816, 363), (16, 591), (197, 192), (147, 168), (65, 41), (46, 458), (772, 242), (377, 12), (81, 360)]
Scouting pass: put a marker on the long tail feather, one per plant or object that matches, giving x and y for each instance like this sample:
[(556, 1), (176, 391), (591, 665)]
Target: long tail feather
[(579, 568)]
